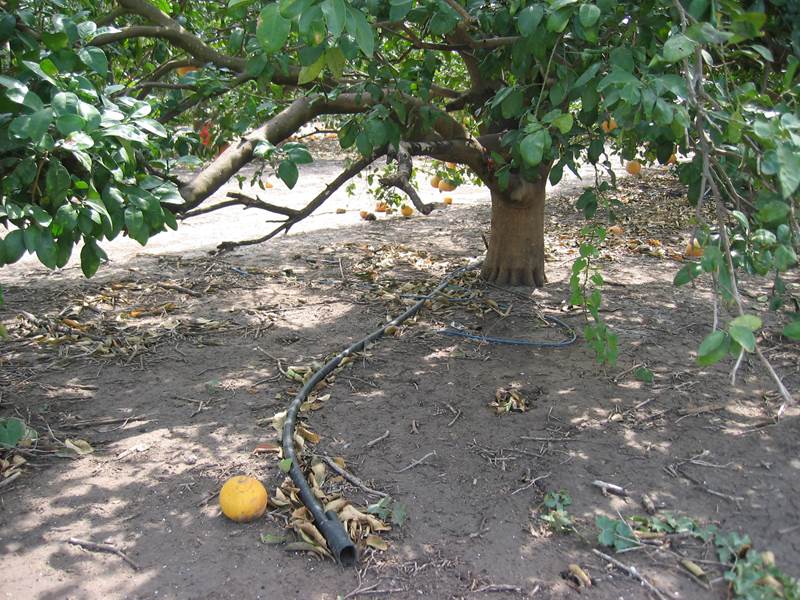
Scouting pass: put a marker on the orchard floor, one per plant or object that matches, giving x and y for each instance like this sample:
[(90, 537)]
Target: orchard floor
[(182, 398)]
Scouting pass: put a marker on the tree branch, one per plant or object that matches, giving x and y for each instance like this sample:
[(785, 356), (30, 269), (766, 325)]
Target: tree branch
[(402, 179), (195, 99), (240, 199), (309, 208), (178, 37), (112, 16)]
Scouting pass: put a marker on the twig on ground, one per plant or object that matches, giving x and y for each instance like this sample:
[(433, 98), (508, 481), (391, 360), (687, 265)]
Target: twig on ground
[(633, 572), (179, 288), (610, 488), (531, 483), (417, 462), (380, 438), (94, 547), (371, 591), (108, 421), (498, 587), (10, 479), (350, 477), (550, 439)]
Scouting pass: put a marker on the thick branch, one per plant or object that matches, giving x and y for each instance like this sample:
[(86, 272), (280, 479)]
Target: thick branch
[(402, 179), (178, 37), (110, 17), (274, 131)]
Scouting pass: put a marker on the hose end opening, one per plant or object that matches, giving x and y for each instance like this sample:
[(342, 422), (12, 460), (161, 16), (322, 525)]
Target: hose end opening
[(338, 540)]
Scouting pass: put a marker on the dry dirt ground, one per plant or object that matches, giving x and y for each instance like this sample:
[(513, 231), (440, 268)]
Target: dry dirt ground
[(168, 364)]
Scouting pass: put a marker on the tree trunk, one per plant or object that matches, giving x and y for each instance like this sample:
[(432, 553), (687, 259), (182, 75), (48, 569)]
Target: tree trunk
[(516, 242)]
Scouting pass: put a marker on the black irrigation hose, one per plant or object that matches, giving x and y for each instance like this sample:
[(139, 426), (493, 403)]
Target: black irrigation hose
[(337, 538), (518, 342), (339, 542)]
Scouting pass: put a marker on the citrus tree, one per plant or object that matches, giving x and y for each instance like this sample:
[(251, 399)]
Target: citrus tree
[(101, 101)]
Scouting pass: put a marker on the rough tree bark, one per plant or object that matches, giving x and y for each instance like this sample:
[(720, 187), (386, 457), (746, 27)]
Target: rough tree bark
[(516, 242)]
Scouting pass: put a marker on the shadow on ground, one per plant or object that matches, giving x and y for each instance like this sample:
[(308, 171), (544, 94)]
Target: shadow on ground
[(181, 395)]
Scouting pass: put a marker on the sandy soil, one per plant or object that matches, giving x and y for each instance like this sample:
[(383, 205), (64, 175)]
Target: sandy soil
[(171, 375)]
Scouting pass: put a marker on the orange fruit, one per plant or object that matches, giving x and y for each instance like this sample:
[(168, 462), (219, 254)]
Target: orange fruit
[(367, 216), (693, 249), (268, 185), (406, 210), (435, 180), (363, 214), (609, 125), (381, 207), (634, 167), (446, 186), (243, 498), (447, 200)]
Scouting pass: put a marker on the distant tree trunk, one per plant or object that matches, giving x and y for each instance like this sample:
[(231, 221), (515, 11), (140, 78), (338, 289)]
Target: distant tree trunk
[(516, 242)]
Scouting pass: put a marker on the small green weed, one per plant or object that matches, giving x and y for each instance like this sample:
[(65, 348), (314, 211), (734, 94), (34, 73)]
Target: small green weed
[(751, 575), (556, 516)]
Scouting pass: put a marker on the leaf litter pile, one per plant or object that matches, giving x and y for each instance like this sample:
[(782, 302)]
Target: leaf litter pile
[(365, 524)]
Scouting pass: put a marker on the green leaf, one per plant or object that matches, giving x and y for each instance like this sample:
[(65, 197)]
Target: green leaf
[(55, 41), (134, 221), (152, 126), (785, 257), (588, 15), (678, 47), (529, 18), (773, 212), (95, 59), (90, 260), (31, 235), (288, 173), (69, 124), (359, 28), (792, 330), (512, 104), (14, 246), (533, 146), (788, 168), (643, 374), (751, 322), (335, 12), (744, 336), (335, 60), (558, 20), (12, 430), (713, 348), (311, 72), (77, 141), (273, 29), (285, 465), (398, 9), (293, 8), (687, 273), (564, 122), (46, 250)]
